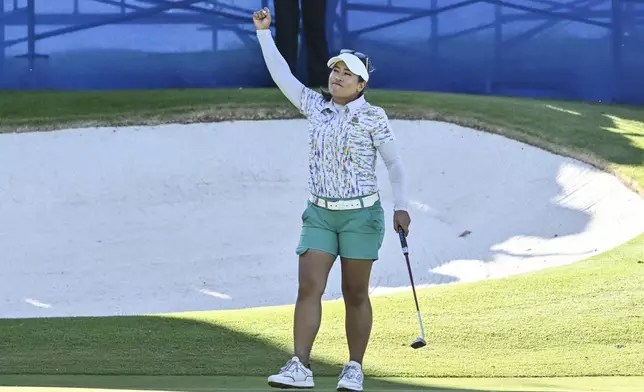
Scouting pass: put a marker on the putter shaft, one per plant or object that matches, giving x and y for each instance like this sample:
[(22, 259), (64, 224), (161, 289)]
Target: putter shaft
[(420, 321), (405, 249)]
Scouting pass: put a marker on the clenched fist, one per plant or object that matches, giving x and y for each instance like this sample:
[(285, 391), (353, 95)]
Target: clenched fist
[(262, 19)]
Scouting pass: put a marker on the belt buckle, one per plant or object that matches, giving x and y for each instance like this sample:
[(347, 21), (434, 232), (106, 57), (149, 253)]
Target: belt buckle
[(333, 204), (316, 201)]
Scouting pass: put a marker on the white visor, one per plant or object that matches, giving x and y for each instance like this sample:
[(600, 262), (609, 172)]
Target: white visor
[(353, 63)]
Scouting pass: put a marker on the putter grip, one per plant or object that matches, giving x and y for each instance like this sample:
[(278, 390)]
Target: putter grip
[(403, 240)]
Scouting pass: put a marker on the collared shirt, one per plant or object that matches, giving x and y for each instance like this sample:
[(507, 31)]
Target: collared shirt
[(343, 142)]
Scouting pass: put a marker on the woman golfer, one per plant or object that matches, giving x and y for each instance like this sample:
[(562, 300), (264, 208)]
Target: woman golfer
[(344, 216)]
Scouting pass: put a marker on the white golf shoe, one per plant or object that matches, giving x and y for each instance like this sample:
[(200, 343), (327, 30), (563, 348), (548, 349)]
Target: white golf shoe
[(351, 377), (292, 375)]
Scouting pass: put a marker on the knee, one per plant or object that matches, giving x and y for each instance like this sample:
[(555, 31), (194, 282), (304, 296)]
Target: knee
[(311, 287), (355, 294)]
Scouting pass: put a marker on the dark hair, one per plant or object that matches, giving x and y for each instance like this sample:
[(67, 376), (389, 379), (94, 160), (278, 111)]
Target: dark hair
[(326, 94)]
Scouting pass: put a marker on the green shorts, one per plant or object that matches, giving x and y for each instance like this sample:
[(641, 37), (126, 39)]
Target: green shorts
[(353, 234)]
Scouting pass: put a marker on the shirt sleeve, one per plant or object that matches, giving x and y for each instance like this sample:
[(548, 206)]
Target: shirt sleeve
[(385, 141), (312, 102), (397, 178), (290, 86), (381, 132)]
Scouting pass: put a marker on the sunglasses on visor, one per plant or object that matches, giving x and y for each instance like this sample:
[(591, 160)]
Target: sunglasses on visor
[(359, 55)]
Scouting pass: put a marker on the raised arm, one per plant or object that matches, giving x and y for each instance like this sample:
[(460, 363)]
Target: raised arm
[(277, 66)]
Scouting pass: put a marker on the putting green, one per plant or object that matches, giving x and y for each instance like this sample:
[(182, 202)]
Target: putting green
[(178, 383)]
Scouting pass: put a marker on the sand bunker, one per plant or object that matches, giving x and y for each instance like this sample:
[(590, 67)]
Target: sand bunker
[(173, 218)]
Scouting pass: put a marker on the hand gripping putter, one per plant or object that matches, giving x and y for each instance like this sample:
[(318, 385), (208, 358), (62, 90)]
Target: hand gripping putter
[(420, 341)]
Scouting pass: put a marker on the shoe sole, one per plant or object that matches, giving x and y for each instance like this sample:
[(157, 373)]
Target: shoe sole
[(347, 389), (275, 384)]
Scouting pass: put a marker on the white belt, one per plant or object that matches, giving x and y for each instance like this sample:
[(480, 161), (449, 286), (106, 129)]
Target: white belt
[(366, 201)]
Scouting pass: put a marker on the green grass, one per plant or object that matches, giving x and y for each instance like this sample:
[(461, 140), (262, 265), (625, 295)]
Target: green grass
[(208, 383), (585, 319)]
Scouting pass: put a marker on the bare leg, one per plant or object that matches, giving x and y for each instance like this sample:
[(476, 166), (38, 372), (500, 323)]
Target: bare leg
[(313, 273), (358, 314)]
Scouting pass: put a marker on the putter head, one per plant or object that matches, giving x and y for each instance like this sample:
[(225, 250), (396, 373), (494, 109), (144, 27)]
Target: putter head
[(418, 343)]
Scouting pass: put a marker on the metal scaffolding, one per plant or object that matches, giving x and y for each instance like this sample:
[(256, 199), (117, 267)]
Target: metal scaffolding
[(214, 15)]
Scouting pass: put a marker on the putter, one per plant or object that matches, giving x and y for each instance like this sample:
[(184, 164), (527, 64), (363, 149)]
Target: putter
[(420, 341)]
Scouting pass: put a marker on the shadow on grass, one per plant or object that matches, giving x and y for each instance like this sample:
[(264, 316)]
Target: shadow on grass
[(609, 131), (606, 136), (149, 352)]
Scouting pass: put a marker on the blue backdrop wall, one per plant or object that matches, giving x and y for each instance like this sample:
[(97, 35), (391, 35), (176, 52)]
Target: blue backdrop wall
[(589, 50)]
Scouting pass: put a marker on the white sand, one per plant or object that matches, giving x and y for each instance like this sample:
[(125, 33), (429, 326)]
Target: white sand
[(207, 216)]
